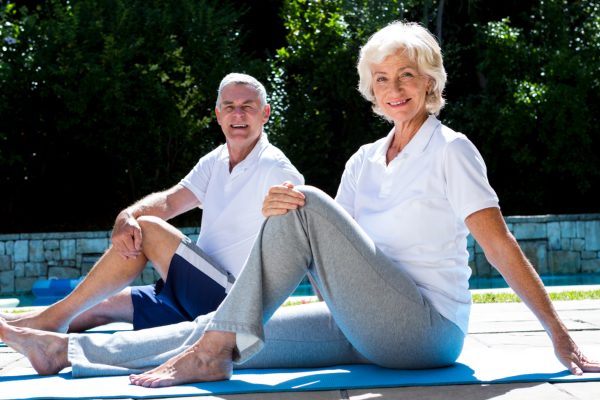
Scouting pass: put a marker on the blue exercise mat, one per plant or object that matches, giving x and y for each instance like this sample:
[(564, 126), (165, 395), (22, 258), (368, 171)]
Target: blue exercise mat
[(474, 367)]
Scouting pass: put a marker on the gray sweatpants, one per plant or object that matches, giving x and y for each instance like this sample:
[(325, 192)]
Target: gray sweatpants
[(374, 312)]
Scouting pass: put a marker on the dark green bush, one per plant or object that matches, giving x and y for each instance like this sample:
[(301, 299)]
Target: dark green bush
[(102, 102)]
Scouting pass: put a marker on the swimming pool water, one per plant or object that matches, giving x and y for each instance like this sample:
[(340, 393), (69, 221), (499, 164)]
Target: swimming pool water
[(305, 289)]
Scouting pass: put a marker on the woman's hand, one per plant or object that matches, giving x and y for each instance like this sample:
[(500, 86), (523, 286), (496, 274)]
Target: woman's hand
[(282, 198), (571, 357), (127, 236)]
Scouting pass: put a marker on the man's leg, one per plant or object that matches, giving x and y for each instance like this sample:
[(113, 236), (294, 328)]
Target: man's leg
[(117, 308), (107, 278)]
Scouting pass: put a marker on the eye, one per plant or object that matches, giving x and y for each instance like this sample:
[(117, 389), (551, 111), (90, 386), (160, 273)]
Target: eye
[(406, 76), (380, 79)]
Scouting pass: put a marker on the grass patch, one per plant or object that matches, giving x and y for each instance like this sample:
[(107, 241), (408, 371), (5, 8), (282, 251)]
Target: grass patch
[(555, 296)]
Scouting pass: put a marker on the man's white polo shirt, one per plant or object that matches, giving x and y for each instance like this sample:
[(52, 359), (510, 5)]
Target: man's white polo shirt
[(414, 209), (232, 202)]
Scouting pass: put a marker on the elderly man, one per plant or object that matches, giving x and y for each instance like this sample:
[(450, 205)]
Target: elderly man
[(229, 184)]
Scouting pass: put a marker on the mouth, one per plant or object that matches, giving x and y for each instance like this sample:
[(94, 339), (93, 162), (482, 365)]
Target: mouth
[(239, 126), (398, 102)]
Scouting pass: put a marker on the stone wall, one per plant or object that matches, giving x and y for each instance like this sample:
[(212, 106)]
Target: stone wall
[(27, 257), (556, 244)]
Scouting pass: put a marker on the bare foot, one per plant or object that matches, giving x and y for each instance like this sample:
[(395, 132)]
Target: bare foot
[(47, 351), (209, 359), (38, 319)]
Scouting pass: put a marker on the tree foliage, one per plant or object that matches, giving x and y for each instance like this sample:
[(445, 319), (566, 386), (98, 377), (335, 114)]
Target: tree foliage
[(102, 102), (523, 85), (534, 110)]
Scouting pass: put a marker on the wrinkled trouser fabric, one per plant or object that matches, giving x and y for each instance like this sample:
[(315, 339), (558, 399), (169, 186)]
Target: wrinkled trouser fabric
[(374, 312)]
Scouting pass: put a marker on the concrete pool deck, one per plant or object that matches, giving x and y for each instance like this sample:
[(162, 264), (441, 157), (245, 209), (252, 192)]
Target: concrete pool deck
[(509, 326)]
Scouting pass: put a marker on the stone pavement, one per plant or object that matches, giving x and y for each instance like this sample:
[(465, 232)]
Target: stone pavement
[(502, 325)]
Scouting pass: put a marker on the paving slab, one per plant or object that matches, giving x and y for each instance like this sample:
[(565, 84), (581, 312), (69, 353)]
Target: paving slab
[(517, 391), (509, 326), (581, 390)]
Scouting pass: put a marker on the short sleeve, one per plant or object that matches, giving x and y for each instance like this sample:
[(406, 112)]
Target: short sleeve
[(346, 193), (467, 186), (198, 178), (285, 171)]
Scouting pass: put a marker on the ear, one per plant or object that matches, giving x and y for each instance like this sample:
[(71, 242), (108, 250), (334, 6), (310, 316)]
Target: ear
[(266, 112), (218, 114)]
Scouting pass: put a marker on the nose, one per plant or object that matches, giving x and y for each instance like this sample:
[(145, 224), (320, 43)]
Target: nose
[(238, 111)]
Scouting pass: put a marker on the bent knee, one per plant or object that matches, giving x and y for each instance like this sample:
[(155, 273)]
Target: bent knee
[(314, 196)]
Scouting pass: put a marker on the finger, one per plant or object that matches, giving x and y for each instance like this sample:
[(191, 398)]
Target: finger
[(589, 365), (137, 239), (574, 369), (274, 211), (282, 189), (284, 199)]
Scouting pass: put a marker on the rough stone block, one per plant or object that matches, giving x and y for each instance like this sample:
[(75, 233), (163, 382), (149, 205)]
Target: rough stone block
[(568, 229), (63, 272), (592, 235), (2, 248), (51, 244), (577, 244), (68, 249), (36, 250), (581, 229), (21, 251), (6, 263), (536, 251), (483, 267), (470, 241), (529, 231), (591, 266), (98, 245), (565, 262), (9, 248), (24, 285), (587, 255), (19, 270), (7, 282), (565, 244), (554, 235), (36, 270), (149, 276)]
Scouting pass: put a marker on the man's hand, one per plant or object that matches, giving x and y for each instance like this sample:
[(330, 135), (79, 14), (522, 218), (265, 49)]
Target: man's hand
[(281, 199), (127, 236)]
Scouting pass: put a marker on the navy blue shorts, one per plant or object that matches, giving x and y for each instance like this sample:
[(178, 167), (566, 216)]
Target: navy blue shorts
[(195, 286)]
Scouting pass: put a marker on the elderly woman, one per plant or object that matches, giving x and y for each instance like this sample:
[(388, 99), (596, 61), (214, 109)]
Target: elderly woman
[(388, 255)]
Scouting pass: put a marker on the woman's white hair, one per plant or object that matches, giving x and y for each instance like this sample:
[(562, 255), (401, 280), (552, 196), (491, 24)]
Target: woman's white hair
[(420, 46), (243, 79)]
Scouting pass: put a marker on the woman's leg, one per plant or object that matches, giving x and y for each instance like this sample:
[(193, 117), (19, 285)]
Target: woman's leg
[(307, 329), (376, 305)]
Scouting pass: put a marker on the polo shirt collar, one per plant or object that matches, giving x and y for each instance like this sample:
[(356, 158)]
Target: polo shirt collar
[(251, 158), (417, 144)]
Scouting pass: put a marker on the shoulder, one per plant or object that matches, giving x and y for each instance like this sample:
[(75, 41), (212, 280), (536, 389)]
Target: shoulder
[(275, 164), (456, 143), (366, 151)]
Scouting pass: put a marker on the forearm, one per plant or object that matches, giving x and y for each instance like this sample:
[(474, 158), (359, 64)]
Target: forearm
[(526, 283), (154, 204)]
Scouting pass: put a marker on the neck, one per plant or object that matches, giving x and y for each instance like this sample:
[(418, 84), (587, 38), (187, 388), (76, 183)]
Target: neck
[(403, 134), (237, 154)]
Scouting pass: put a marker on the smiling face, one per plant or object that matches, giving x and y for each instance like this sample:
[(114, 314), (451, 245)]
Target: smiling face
[(241, 116), (400, 91)]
